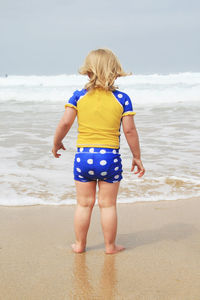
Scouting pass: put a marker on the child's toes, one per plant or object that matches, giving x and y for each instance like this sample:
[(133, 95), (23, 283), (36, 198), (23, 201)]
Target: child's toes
[(116, 249), (119, 248)]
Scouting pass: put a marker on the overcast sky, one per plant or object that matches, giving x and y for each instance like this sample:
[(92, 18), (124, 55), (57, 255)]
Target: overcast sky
[(54, 36)]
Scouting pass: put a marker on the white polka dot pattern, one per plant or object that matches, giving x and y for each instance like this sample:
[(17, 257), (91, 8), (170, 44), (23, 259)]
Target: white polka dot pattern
[(90, 161), (120, 96), (126, 103), (102, 151), (103, 162), (91, 172), (97, 164), (103, 173)]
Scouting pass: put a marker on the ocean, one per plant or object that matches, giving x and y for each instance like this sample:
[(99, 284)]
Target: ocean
[(167, 119)]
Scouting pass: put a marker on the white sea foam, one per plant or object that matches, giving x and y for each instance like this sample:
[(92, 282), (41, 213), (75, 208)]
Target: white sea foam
[(186, 78), (143, 88), (160, 190), (42, 81)]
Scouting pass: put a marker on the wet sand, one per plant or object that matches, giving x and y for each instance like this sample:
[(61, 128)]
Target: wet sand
[(161, 260)]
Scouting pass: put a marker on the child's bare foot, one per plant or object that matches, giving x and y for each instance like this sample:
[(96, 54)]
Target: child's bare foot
[(114, 249), (77, 249)]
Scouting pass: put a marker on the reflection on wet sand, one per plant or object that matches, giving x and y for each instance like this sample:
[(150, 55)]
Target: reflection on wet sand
[(108, 280), (94, 279)]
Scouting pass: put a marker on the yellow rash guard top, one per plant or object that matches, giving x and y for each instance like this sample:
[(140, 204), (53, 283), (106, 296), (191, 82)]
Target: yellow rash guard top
[(99, 115)]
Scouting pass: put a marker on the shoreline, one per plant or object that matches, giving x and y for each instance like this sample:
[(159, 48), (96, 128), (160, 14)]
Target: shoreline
[(161, 260), (96, 204)]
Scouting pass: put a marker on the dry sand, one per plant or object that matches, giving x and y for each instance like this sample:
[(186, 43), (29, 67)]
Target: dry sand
[(161, 260)]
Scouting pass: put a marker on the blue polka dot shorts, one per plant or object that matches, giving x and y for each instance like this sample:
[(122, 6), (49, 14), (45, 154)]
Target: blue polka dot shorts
[(97, 164)]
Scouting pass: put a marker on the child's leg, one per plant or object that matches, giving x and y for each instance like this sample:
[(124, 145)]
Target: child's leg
[(86, 193), (107, 202)]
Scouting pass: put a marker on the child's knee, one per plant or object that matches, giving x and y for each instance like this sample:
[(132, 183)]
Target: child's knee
[(103, 203), (86, 202)]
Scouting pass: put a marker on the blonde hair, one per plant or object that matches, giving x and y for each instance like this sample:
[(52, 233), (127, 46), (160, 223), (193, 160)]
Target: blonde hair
[(102, 67)]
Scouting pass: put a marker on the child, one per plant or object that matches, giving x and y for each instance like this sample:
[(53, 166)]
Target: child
[(100, 109)]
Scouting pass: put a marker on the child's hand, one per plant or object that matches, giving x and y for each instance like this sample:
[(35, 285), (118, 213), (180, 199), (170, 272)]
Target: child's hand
[(56, 148), (140, 169)]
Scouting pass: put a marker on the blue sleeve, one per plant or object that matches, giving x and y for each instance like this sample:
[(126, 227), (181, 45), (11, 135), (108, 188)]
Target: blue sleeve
[(128, 107), (72, 102), (125, 101)]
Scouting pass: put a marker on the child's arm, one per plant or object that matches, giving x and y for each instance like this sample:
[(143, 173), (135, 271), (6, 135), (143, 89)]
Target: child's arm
[(132, 138), (62, 129)]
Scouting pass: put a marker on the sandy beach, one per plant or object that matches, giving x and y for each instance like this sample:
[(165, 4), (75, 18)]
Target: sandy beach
[(161, 260)]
